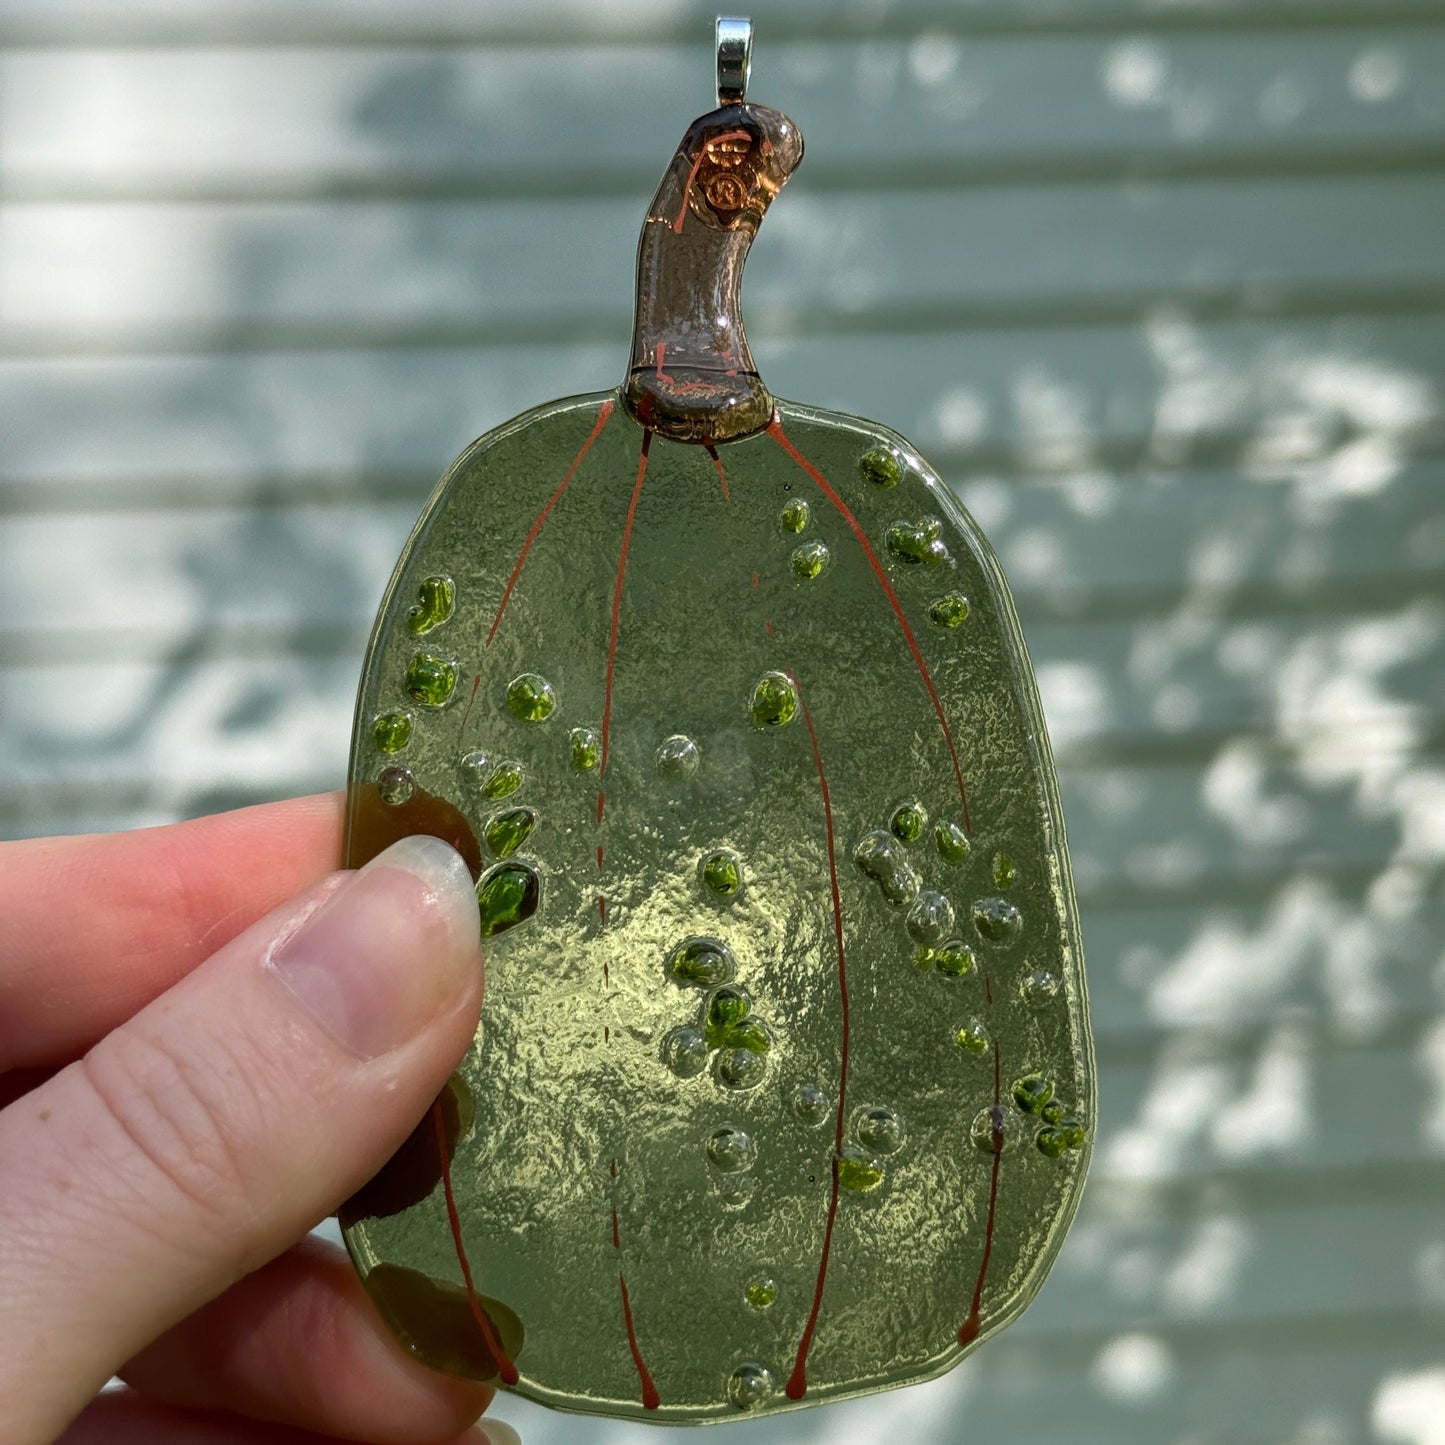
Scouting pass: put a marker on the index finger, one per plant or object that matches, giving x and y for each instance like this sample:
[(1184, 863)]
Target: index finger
[(93, 928)]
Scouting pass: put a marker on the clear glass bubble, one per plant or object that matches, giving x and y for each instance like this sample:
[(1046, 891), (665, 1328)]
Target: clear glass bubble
[(731, 1150), (395, 785), (684, 1051)]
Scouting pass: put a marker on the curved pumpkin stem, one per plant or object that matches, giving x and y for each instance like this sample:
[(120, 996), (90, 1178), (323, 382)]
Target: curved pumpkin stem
[(691, 376)]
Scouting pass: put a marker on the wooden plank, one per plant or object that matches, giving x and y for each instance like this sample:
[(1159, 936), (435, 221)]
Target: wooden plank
[(1282, 1264), (1316, 952), (276, 121), (1163, 692), (1211, 534), (117, 277), (1274, 396), (1092, 560), (511, 21), (187, 726), (1160, 691), (1190, 1111)]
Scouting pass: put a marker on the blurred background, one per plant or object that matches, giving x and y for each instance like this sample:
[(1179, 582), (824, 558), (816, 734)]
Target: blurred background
[(1158, 285)]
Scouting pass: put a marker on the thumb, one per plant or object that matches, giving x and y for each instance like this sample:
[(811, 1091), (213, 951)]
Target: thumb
[(225, 1119)]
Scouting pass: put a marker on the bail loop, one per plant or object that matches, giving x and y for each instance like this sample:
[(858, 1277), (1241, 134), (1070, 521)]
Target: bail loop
[(734, 58)]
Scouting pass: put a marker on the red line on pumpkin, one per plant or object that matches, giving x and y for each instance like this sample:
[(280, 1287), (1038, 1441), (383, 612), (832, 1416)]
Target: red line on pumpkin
[(505, 1368), (552, 501), (650, 1399), (798, 1381), (722, 476), (775, 430), (968, 1332), (617, 611), (471, 702)]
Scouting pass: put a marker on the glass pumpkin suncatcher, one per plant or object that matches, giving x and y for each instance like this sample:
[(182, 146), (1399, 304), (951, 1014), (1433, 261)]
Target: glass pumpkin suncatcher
[(784, 1088)]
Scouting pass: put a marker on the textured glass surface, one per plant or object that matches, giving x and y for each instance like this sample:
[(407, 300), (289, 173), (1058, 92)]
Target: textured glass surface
[(784, 1089)]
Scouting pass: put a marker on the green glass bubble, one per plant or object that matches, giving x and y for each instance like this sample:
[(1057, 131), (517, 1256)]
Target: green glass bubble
[(952, 842), (430, 680), (774, 701), (1051, 1142), (858, 1170), (530, 698), (919, 543), (586, 749), (503, 780), (809, 559), (760, 1292), (727, 1007), (1074, 1134), (391, 731), (908, 822), (955, 959), (1058, 1141), (506, 896), (972, 1039), (506, 832), (950, 610), (749, 1035), (794, 516), (722, 873), (1005, 873), (436, 596), (702, 963), (881, 467), (1032, 1093)]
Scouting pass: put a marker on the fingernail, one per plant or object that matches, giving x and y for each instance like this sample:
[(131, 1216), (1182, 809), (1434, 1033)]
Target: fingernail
[(496, 1432), (388, 952)]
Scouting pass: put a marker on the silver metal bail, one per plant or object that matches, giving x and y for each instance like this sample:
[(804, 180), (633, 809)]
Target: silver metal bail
[(734, 58)]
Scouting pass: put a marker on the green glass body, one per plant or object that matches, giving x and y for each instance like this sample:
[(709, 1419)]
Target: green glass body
[(784, 1090)]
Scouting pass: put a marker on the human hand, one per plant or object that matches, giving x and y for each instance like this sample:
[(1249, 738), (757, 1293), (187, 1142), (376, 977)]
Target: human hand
[(206, 1042)]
